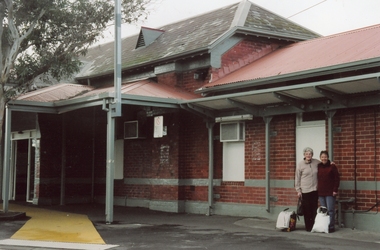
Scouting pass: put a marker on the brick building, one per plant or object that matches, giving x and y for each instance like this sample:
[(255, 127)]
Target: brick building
[(216, 110)]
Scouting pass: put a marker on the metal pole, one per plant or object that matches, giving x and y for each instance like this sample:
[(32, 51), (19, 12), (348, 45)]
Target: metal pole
[(114, 110), (210, 126), (110, 166), (330, 115), (117, 69), (267, 121), (7, 156)]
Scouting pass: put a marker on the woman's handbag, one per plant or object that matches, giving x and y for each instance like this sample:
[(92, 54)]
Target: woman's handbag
[(299, 207)]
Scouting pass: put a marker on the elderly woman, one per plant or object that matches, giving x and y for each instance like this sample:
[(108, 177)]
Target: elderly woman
[(306, 183)]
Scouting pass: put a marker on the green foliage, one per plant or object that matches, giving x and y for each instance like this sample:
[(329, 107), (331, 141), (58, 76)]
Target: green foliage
[(48, 36)]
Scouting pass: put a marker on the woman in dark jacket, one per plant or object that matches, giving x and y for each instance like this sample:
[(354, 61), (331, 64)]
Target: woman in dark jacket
[(328, 184)]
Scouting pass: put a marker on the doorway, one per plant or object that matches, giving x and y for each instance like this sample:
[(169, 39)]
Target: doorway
[(23, 171), (310, 133)]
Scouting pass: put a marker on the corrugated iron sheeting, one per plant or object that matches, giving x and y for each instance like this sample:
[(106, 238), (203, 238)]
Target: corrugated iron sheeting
[(147, 88), (318, 53), (62, 91)]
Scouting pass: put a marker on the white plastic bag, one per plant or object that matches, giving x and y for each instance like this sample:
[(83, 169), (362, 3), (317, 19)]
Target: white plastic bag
[(283, 220), (322, 221)]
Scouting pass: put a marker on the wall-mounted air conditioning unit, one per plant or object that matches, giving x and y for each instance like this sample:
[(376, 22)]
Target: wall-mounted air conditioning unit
[(132, 130), (232, 131)]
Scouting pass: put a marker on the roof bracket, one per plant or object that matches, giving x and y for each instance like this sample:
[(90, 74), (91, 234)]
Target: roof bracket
[(253, 110), (332, 95), (290, 100)]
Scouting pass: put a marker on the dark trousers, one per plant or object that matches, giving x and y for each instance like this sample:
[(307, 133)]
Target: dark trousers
[(310, 206)]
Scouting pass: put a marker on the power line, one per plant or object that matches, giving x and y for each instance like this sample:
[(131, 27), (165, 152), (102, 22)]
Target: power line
[(306, 9)]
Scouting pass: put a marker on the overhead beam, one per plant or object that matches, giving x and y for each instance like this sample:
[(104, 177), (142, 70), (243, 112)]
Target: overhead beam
[(322, 105), (255, 111), (332, 95), (290, 100)]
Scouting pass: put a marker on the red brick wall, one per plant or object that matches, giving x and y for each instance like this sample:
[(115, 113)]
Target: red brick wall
[(242, 54), (194, 153), (282, 164), (283, 147), (184, 80), (152, 158), (255, 149), (360, 127), (357, 152)]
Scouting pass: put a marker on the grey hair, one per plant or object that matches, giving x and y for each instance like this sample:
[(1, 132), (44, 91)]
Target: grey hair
[(307, 149)]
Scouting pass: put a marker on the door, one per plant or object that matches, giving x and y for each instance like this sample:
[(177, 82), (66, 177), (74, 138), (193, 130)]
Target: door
[(22, 179), (310, 134), (23, 170)]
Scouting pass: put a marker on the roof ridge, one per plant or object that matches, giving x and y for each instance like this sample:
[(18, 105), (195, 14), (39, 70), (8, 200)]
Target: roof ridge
[(201, 14), (337, 34)]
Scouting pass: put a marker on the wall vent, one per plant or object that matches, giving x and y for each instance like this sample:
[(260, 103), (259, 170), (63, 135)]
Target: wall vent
[(232, 131)]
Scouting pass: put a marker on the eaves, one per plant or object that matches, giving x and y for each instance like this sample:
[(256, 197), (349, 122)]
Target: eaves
[(272, 35)]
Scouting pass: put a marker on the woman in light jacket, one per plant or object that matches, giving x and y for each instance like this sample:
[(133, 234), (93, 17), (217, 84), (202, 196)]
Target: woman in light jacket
[(306, 183)]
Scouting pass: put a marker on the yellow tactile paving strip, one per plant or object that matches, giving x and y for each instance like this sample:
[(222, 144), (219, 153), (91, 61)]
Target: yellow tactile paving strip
[(49, 225)]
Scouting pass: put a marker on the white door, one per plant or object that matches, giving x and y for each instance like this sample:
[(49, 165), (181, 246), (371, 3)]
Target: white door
[(310, 134), (233, 161)]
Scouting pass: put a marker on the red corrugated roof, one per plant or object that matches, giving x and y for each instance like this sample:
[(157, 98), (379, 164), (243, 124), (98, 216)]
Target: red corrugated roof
[(147, 88), (66, 91), (351, 46), (62, 91)]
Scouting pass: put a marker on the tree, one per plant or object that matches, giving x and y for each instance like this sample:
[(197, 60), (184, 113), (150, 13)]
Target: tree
[(40, 37)]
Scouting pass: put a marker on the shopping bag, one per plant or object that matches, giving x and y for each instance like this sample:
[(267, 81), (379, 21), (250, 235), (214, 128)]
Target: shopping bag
[(322, 221), (286, 220)]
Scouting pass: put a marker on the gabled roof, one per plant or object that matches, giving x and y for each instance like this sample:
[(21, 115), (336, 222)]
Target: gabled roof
[(195, 36), (147, 36), (317, 56)]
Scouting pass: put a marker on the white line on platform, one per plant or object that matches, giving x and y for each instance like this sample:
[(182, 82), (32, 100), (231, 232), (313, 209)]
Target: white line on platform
[(51, 244)]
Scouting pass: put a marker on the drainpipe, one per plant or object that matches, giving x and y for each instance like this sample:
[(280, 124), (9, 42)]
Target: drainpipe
[(7, 156), (267, 121), (210, 126), (330, 115)]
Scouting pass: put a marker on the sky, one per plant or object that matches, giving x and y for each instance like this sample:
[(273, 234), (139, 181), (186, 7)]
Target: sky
[(325, 17)]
